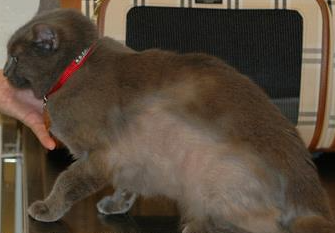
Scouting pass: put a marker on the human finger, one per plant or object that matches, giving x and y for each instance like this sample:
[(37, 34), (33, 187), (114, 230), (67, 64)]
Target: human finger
[(43, 136)]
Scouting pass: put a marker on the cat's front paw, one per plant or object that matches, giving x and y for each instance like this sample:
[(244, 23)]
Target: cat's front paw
[(106, 205), (41, 211), (119, 203)]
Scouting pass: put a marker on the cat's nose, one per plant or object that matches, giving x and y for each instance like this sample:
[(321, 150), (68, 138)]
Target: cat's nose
[(6, 69), (4, 74)]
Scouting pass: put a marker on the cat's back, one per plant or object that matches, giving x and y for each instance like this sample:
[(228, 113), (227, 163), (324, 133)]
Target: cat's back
[(207, 87), (200, 87)]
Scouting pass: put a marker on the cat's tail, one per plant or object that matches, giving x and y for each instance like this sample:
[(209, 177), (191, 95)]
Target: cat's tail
[(311, 224)]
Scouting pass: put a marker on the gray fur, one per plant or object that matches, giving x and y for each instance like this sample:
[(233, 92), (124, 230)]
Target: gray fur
[(188, 127)]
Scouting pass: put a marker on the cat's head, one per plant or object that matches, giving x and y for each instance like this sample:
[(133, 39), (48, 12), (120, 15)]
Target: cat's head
[(39, 51)]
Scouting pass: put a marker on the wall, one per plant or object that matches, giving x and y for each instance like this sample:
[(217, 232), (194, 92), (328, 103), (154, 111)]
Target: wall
[(14, 13)]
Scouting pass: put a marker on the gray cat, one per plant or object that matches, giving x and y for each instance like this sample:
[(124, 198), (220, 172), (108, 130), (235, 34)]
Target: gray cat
[(188, 127)]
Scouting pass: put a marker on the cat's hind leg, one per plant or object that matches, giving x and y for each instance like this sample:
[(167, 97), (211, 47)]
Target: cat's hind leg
[(211, 227), (311, 224), (83, 177)]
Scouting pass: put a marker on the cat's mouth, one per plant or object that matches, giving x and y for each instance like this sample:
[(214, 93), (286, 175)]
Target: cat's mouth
[(19, 82), (13, 78), (22, 82)]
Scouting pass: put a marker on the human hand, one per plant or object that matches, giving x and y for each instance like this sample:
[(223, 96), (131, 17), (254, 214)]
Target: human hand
[(23, 105)]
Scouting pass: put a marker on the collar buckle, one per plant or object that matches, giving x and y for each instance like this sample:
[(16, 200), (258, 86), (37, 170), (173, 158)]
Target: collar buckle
[(45, 100)]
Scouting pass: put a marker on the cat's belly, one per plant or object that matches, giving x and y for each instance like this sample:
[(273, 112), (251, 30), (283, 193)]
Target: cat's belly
[(158, 153), (162, 154)]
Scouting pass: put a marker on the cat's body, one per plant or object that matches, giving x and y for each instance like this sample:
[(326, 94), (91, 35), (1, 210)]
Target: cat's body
[(185, 126)]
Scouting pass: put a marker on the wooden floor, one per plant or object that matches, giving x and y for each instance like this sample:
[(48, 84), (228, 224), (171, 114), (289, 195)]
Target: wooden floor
[(147, 216)]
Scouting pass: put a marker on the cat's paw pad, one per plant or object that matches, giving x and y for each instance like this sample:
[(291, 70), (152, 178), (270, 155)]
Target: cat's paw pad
[(40, 211)]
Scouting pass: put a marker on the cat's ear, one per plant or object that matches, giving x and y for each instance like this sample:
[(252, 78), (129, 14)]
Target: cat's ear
[(45, 37)]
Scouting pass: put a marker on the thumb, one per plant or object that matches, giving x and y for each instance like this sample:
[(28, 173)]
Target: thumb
[(43, 135)]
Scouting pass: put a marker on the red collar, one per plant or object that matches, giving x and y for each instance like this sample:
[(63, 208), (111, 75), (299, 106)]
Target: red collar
[(69, 70)]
